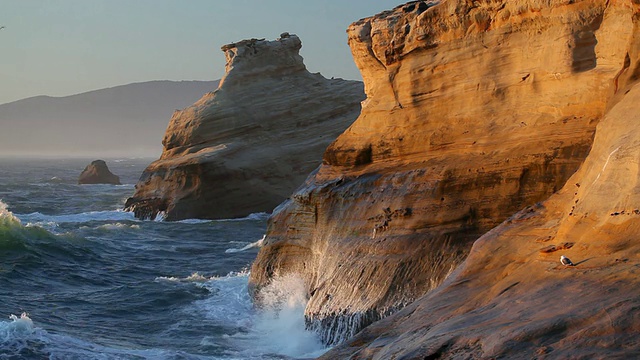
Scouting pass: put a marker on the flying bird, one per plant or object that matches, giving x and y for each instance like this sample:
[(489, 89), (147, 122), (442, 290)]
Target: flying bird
[(2, 27), (565, 261)]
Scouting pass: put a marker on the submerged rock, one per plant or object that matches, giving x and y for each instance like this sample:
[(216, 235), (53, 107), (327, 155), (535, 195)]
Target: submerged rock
[(246, 146), (474, 111), (98, 173)]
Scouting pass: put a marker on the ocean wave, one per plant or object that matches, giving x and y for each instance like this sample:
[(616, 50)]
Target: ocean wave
[(250, 217), (13, 234), (113, 215), (257, 244), (194, 221), (21, 339), (6, 216), (160, 217)]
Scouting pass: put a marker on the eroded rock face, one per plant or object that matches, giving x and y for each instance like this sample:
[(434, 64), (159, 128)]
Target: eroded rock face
[(248, 145), (513, 299), (474, 110), (98, 173)]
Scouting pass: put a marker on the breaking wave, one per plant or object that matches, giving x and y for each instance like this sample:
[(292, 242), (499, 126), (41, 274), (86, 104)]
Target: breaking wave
[(251, 217), (256, 244)]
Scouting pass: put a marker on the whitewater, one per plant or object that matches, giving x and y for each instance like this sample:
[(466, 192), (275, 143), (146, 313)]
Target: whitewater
[(82, 279)]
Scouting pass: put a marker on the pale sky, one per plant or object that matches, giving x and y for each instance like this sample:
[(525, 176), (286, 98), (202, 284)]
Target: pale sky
[(64, 47)]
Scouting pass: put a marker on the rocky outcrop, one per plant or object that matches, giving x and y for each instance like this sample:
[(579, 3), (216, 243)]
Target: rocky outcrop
[(474, 111), (246, 146), (98, 173), (512, 299)]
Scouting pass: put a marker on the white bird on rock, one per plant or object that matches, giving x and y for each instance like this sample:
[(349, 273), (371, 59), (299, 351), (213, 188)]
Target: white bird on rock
[(565, 261)]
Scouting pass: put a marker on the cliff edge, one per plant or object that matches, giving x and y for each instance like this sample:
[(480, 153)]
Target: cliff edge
[(249, 144), (513, 299), (474, 111)]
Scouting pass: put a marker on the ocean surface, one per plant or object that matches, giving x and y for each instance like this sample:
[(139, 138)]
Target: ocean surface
[(82, 279)]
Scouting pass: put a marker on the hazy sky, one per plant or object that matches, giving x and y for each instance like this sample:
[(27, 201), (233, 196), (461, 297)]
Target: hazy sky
[(64, 47)]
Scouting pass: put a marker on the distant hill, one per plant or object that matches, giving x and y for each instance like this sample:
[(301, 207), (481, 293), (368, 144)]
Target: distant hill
[(127, 120)]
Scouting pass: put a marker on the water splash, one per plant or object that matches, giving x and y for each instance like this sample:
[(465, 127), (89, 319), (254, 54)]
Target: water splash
[(276, 328), (17, 337), (280, 322)]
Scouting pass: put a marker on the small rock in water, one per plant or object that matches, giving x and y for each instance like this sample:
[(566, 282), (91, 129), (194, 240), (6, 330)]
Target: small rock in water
[(98, 173)]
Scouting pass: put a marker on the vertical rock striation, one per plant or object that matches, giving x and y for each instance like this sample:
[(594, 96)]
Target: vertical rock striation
[(246, 146), (511, 298), (474, 110)]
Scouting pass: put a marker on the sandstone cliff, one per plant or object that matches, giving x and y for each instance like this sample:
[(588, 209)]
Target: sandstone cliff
[(513, 299), (248, 145), (98, 173), (474, 110)]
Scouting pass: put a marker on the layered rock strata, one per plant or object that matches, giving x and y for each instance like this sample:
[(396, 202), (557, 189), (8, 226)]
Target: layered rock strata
[(249, 144), (474, 110), (98, 173), (513, 299)]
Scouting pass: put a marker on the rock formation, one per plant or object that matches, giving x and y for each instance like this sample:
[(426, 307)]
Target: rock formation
[(246, 146), (474, 111), (98, 173), (512, 299)]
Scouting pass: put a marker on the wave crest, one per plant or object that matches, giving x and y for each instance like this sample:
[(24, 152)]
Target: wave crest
[(257, 244), (6, 217)]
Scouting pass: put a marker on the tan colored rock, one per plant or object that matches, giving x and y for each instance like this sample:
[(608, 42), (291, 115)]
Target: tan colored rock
[(508, 300), (248, 145), (474, 110)]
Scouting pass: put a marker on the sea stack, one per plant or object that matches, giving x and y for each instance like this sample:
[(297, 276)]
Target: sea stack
[(474, 110), (98, 173), (248, 145)]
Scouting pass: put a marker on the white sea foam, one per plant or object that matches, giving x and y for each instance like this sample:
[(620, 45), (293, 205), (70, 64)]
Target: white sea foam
[(115, 215), (194, 277), (118, 226), (277, 327), (257, 244), (47, 225)]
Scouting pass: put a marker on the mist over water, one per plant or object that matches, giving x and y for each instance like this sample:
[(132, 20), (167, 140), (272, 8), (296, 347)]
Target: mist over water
[(82, 279)]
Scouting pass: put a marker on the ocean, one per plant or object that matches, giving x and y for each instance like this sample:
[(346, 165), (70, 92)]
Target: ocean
[(82, 279)]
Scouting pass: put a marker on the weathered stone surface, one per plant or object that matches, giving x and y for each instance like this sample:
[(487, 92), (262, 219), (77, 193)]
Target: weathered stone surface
[(248, 145), (474, 110), (98, 173), (508, 301)]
